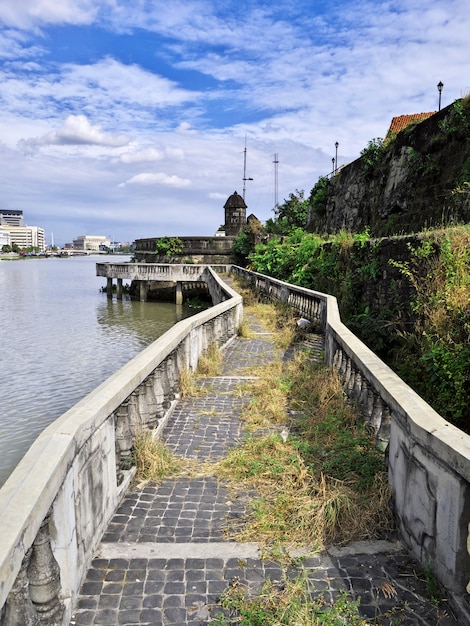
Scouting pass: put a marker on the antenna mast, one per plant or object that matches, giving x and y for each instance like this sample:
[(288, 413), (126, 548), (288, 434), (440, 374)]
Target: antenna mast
[(244, 171), (276, 165)]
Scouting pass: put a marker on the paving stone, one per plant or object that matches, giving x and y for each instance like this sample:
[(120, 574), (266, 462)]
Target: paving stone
[(181, 514)]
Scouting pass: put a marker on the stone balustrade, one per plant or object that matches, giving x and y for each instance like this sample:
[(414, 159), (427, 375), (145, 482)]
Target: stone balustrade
[(145, 273), (428, 458), (57, 503)]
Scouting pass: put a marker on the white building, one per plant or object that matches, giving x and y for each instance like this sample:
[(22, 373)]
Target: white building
[(11, 217), (91, 242), (5, 239), (27, 236)]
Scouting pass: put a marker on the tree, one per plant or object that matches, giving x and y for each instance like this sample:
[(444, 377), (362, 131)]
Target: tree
[(290, 215), (319, 195)]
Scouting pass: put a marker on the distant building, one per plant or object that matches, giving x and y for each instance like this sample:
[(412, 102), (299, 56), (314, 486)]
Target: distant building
[(11, 218), (27, 237), (91, 242), (400, 122), (5, 239)]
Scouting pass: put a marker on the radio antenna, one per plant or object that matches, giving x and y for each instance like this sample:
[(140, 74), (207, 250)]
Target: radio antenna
[(244, 171), (276, 165)]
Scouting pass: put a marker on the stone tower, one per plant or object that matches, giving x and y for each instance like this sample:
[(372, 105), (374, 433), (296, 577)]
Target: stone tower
[(235, 215)]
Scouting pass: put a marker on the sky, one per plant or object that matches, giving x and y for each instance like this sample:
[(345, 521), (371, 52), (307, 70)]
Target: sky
[(139, 118)]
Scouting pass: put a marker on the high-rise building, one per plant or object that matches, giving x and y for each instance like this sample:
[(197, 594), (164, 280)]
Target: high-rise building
[(5, 239), (11, 218), (27, 237)]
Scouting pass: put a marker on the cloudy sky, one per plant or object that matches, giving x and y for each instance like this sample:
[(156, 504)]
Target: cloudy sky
[(128, 118)]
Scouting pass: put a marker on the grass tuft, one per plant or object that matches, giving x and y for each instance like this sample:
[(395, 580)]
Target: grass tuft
[(209, 362), (154, 461), (288, 602)]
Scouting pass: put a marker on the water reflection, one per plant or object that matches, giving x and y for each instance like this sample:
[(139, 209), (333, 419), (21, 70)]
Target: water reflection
[(147, 320), (60, 337)]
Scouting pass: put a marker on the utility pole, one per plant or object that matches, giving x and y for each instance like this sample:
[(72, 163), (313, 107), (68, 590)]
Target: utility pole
[(244, 171), (276, 165)]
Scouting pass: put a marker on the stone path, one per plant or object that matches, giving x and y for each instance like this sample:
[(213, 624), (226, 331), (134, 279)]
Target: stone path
[(164, 559)]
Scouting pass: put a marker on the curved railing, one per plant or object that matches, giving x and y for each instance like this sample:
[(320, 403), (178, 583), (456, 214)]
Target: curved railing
[(428, 458), (57, 503)]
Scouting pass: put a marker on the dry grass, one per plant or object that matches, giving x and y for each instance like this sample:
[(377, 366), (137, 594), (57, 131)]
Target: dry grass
[(295, 507), (244, 331), (303, 497), (209, 362), (188, 387), (154, 461), (207, 367), (268, 403)]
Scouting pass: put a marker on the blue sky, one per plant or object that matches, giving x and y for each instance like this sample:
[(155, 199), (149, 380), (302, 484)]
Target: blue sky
[(129, 118)]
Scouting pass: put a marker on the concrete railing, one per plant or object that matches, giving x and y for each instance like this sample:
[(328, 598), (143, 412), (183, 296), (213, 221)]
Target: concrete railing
[(156, 271), (428, 458), (57, 503)]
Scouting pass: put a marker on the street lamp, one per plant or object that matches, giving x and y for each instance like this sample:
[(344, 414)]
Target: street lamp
[(332, 167), (440, 85), (336, 156)]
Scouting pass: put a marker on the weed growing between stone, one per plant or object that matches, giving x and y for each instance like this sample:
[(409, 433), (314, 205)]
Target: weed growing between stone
[(209, 362), (154, 461), (208, 366), (288, 602)]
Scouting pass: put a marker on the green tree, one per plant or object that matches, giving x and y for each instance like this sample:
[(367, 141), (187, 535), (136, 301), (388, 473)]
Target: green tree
[(290, 215), (319, 195), (371, 155)]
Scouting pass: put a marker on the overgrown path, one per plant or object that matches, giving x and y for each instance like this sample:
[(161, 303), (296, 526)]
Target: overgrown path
[(174, 552)]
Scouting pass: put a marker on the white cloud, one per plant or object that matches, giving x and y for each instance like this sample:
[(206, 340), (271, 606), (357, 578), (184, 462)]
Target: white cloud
[(203, 74), (32, 13), (76, 131), (157, 178), (141, 156)]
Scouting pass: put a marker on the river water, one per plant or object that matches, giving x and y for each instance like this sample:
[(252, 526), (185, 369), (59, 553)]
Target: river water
[(60, 337)]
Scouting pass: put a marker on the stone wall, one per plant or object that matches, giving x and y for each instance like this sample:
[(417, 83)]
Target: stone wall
[(411, 187), (199, 250), (58, 502), (428, 458)]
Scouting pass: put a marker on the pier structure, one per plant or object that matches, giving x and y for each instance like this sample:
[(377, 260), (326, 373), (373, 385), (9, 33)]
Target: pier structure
[(145, 273)]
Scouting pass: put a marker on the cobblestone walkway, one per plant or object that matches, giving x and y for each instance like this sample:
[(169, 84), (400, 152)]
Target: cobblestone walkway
[(164, 559)]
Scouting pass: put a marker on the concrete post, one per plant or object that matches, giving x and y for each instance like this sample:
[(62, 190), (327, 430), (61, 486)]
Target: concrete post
[(143, 290), (119, 288), (179, 292), (109, 287)]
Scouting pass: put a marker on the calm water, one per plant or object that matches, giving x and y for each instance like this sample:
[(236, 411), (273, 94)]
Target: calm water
[(60, 337)]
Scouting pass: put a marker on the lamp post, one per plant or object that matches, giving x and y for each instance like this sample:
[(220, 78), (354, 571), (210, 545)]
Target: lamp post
[(440, 85), (332, 167), (336, 156)]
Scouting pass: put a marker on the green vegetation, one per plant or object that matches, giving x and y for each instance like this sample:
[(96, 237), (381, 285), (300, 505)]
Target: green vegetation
[(290, 215), (319, 195), (418, 319), (372, 154), (169, 246), (288, 602), (439, 271)]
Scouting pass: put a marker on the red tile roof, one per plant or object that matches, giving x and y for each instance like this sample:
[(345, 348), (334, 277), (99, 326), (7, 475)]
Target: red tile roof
[(402, 121)]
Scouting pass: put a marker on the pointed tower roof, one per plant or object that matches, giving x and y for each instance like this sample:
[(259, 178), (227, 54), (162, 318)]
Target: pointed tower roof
[(235, 201)]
